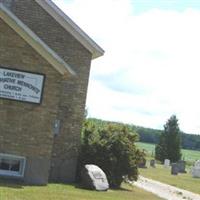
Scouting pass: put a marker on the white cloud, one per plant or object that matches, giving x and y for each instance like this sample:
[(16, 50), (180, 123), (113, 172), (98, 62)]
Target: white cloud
[(156, 52)]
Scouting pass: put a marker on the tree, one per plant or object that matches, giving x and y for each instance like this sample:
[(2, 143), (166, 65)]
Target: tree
[(161, 149), (169, 146), (112, 148)]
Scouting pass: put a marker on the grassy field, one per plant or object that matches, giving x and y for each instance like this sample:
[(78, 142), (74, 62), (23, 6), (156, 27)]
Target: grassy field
[(184, 181), (70, 192), (188, 155)]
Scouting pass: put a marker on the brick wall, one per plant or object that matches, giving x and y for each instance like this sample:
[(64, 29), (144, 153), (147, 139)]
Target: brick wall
[(26, 129), (64, 101)]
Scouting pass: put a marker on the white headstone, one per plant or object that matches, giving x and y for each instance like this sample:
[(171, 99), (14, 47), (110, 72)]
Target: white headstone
[(196, 170), (166, 163), (94, 178), (197, 164)]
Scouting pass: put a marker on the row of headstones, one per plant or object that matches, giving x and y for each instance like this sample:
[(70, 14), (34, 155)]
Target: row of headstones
[(143, 163), (179, 167)]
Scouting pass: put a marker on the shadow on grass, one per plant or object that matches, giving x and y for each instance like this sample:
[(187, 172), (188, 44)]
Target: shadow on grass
[(11, 184), (79, 186), (124, 189), (15, 183)]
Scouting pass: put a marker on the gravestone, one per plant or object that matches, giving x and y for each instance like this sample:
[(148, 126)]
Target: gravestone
[(196, 170), (153, 163), (181, 165), (166, 163), (197, 163), (92, 177), (174, 168), (142, 163)]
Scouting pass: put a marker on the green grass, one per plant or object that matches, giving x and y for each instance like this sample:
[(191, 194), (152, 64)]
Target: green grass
[(70, 192), (188, 155), (184, 181)]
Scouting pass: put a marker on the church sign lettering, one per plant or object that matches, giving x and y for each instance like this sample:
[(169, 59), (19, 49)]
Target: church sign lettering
[(21, 85)]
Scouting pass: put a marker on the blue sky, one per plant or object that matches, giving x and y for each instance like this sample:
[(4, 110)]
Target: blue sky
[(141, 6), (150, 69)]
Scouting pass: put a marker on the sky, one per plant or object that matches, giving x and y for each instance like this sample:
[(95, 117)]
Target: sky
[(151, 66)]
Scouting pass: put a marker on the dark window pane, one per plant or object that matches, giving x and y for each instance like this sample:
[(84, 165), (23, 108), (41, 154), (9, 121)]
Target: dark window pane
[(15, 166), (9, 165), (4, 165)]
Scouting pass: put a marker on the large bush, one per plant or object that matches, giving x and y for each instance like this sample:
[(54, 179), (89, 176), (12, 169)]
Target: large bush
[(112, 148)]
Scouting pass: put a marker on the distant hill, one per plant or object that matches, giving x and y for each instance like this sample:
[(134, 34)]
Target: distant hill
[(149, 135)]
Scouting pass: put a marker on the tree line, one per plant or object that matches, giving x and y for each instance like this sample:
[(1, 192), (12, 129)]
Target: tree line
[(149, 135)]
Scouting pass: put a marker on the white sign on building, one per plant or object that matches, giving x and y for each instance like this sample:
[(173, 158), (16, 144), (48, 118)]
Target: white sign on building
[(21, 85)]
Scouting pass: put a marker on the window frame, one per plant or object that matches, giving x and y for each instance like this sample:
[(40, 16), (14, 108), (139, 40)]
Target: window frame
[(9, 173)]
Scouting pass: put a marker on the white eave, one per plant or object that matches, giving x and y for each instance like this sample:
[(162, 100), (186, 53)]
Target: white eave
[(35, 42), (71, 27)]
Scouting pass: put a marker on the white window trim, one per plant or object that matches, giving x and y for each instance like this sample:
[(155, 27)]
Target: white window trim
[(19, 174)]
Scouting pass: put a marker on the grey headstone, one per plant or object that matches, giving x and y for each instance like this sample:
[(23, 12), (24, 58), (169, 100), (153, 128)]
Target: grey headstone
[(181, 165), (142, 163), (174, 169), (153, 163), (92, 177)]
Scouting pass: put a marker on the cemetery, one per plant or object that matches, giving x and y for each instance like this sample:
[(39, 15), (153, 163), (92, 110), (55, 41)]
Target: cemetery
[(182, 174), (174, 175)]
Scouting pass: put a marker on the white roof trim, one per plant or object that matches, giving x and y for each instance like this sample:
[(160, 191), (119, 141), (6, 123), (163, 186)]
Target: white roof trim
[(31, 38), (71, 27)]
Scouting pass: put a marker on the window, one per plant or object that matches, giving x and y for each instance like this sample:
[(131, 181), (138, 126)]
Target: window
[(11, 165)]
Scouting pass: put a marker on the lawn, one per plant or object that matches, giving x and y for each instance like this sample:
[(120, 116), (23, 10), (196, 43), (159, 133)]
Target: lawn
[(70, 192), (184, 181), (188, 155)]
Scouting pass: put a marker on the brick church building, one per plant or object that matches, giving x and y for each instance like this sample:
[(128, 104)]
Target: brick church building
[(44, 69)]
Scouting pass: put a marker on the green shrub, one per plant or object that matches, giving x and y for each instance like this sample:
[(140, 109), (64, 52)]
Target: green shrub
[(112, 148)]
